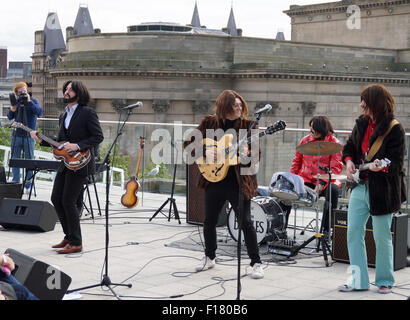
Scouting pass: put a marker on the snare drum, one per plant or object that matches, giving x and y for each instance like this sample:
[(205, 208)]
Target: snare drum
[(284, 190), (267, 216), (309, 198)]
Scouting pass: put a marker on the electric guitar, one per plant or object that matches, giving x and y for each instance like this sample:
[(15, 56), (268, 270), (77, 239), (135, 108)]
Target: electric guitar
[(384, 163), (130, 199), (72, 160), (227, 153)]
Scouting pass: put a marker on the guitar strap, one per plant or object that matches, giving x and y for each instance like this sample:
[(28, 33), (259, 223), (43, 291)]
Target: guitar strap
[(378, 143)]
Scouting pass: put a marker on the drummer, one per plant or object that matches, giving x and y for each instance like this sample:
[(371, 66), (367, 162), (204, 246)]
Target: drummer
[(306, 166)]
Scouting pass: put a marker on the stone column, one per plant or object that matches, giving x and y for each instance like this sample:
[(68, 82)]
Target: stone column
[(161, 108), (118, 104), (199, 109), (308, 109), (272, 112)]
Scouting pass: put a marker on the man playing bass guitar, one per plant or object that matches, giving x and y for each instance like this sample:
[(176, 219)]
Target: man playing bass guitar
[(80, 127)]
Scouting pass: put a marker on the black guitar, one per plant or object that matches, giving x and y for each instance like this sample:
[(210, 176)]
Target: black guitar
[(384, 163)]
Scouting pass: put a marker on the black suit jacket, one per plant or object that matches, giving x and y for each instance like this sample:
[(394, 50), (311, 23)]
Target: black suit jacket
[(84, 130)]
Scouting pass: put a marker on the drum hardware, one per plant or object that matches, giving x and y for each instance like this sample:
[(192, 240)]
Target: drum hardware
[(321, 148), (335, 176), (290, 248)]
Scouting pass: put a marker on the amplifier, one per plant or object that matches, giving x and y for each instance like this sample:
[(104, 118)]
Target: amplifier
[(399, 237), (196, 200)]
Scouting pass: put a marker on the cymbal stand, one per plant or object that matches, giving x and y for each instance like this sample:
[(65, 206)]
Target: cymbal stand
[(172, 201)]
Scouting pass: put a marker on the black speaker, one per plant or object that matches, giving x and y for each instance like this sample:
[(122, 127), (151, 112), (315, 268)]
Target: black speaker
[(196, 199), (44, 281), (3, 178), (399, 237), (11, 190), (27, 215)]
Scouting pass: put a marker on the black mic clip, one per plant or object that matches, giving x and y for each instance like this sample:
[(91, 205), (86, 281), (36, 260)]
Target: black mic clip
[(325, 169)]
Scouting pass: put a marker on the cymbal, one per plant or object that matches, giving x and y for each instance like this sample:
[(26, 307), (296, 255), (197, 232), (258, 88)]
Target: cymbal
[(319, 148), (325, 176)]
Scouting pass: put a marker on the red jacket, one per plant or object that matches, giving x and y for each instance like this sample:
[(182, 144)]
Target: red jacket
[(306, 166)]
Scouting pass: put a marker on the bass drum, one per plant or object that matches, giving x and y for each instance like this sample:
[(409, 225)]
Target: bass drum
[(268, 220)]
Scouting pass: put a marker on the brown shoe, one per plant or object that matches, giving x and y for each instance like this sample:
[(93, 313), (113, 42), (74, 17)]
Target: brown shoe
[(70, 249), (62, 244)]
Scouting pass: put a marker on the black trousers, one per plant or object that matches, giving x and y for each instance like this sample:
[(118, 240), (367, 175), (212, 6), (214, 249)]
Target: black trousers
[(215, 196), (67, 187)]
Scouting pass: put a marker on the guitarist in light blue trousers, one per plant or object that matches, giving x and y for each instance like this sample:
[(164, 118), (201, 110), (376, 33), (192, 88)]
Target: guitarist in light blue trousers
[(381, 191)]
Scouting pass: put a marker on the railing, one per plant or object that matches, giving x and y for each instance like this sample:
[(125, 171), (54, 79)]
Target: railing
[(278, 151)]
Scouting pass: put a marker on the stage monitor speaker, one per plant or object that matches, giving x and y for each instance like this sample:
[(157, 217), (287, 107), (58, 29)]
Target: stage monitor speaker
[(27, 215), (10, 189), (196, 200), (399, 237), (44, 281), (3, 178)]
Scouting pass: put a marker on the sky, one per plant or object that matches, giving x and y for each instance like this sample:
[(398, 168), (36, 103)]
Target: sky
[(257, 18)]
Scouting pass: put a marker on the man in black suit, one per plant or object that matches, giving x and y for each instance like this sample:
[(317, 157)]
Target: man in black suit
[(80, 128)]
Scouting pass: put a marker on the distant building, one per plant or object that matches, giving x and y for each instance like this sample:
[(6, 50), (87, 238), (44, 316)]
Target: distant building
[(3, 62), (19, 70)]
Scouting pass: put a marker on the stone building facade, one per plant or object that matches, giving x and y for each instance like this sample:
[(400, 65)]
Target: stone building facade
[(179, 74)]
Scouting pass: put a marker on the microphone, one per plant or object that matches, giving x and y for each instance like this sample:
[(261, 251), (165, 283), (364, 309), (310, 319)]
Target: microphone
[(132, 106), (266, 108)]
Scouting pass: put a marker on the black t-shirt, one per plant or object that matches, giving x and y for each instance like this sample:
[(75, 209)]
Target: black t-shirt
[(230, 179)]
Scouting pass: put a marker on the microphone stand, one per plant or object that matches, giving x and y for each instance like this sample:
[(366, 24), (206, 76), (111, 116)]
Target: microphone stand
[(106, 281), (240, 208)]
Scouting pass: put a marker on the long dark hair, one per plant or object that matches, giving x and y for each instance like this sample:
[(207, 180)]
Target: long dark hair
[(379, 101), (80, 90), (225, 102), (322, 125)]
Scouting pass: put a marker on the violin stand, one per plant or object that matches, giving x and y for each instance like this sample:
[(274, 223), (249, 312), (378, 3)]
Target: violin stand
[(172, 204)]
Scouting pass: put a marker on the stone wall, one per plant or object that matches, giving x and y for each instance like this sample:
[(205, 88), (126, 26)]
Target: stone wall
[(383, 24)]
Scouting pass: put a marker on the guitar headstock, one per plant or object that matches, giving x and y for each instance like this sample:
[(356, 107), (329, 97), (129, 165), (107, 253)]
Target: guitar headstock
[(17, 125), (142, 142), (278, 126)]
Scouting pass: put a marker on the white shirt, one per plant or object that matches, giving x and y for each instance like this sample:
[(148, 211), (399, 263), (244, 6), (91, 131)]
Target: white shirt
[(70, 112)]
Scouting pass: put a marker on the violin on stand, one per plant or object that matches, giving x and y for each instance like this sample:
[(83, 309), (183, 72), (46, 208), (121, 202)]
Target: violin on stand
[(130, 199)]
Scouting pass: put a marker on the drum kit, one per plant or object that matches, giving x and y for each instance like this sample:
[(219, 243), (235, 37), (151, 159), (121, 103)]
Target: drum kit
[(267, 209)]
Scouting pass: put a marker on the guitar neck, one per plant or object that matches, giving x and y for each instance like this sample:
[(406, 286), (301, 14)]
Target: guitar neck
[(250, 139), (138, 163), (365, 166), (41, 136)]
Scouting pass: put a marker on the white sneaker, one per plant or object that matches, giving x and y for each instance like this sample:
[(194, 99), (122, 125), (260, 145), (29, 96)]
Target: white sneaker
[(205, 264), (257, 271)]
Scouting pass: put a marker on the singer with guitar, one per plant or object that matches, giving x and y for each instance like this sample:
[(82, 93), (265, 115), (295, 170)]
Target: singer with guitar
[(377, 135), (231, 113), (80, 128)]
